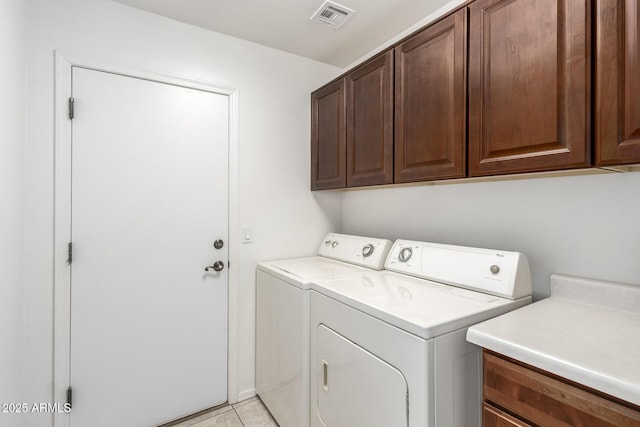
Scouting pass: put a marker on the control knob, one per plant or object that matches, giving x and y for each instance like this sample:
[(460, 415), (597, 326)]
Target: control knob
[(405, 254), (367, 250)]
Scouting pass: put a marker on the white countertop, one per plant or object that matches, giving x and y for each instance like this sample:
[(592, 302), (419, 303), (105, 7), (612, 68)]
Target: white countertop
[(587, 331)]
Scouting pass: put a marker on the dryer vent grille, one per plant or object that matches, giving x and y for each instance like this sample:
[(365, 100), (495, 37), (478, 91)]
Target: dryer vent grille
[(333, 14)]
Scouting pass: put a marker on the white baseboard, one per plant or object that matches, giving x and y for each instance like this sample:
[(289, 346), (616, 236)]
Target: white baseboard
[(247, 394)]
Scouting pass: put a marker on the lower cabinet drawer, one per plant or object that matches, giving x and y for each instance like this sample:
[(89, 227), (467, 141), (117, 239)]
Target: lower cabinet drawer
[(494, 417), (546, 400)]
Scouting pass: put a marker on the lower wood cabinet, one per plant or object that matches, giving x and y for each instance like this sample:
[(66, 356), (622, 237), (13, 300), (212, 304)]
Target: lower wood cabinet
[(494, 417), (516, 394)]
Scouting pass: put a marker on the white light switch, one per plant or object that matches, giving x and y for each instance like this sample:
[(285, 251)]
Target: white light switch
[(247, 234)]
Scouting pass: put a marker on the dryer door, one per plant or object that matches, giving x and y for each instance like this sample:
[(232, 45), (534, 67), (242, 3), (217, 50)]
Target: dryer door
[(355, 387)]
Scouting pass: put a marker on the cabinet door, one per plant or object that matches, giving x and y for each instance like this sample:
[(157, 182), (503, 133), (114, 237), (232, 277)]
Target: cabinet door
[(328, 137), (370, 123), (493, 417), (617, 107), (430, 102), (529, 84)]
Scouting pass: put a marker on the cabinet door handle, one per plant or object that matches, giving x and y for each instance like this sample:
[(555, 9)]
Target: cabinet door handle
[(325, 376)]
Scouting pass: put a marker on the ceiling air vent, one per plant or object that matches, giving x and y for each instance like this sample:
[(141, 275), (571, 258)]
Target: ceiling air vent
[(333, 14)]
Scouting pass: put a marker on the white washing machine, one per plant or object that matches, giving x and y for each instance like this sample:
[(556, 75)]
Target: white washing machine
[(282, 319), (388, 348)]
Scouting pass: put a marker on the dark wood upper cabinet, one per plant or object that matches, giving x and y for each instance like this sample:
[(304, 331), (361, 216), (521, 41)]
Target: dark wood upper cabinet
[(328, 137), (617, 82), (529, 85), (370, 122), (430, 102)]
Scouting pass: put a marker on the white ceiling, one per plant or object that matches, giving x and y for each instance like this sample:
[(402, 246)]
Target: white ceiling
[(285, 24)]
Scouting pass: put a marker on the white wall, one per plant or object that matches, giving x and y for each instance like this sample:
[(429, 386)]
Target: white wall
[(274, 111), (582, 225), (12, 124)]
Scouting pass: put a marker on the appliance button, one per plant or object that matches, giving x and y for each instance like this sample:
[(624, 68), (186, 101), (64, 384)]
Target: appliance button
[(494, 269), (367, 250), (334, 244), (405, 254), (327, 243)]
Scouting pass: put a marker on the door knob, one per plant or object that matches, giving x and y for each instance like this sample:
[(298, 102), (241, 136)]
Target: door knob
[(217, 266)]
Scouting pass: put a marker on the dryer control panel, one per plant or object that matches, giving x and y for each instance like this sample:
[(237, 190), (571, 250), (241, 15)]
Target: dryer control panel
[(363, 251), (502, 273)]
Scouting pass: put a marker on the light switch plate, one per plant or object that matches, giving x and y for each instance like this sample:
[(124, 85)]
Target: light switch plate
[(247, 234)]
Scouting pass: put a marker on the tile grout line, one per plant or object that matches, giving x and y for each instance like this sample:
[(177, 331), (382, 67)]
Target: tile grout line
[(238, 415)]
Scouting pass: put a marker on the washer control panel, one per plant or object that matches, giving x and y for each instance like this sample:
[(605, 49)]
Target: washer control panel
[(363, 251), (500, 273), (405, 257)]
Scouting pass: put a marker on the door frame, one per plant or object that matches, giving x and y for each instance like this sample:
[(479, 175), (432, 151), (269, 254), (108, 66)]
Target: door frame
[(64, 62)]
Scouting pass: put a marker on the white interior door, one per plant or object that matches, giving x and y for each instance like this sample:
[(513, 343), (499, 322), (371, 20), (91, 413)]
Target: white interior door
[(149, 198)]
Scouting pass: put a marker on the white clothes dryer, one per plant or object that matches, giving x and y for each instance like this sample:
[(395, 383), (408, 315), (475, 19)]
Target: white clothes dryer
[(388, 348), (282, 319)]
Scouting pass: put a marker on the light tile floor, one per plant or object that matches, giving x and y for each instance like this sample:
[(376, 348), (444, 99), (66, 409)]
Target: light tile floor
[(248, 413)]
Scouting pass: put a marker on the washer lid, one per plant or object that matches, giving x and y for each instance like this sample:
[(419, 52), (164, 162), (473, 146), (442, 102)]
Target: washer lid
[(421, 307), (308, 268), (300, 271)]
